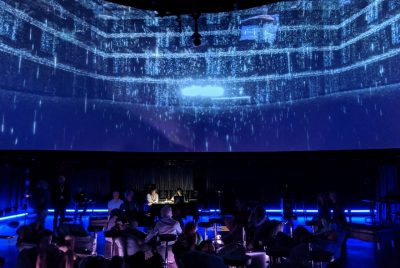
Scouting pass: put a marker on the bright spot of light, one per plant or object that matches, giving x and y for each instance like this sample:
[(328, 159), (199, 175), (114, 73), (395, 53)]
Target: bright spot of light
[(203, 91)]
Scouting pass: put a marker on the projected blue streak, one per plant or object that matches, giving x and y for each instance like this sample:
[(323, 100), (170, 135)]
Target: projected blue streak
[(296, 75)]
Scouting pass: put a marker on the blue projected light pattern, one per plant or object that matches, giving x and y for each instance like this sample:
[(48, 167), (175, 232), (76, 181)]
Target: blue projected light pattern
[(295, 75)]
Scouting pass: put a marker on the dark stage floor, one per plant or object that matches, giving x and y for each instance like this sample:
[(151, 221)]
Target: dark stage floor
[(357, 253)]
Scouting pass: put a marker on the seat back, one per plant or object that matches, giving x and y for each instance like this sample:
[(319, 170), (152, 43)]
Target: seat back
[(96, 224), (167, 237)]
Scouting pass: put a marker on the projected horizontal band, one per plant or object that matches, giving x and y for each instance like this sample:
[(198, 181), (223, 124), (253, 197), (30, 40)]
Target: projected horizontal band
[(363, 64)]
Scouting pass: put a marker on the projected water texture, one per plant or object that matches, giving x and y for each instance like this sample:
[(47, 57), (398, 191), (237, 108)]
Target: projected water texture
[(297, 75)]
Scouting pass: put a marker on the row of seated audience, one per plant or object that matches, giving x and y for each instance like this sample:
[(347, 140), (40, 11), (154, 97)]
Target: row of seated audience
[(250, 230)]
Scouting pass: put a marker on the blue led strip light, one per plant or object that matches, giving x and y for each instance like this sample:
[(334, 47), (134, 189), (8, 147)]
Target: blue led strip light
[(10, 217), (101, 210), (308, 211)]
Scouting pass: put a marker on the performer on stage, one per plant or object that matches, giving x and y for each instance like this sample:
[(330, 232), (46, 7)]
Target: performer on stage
[(130, 207), (114, 203), (40, 202), (338, 215), (81, 202), (179, 196), (152, 198), (61, 197), (323, 207)]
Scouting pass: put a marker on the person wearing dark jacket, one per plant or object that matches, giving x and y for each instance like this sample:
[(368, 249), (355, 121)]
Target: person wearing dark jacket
[(130, 208), (338, 216), (261, 229), (40, 202), (323, 207), (61, 197)]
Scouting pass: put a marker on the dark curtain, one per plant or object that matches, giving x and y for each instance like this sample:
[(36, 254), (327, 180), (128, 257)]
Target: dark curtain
[(95, 182), (12, 188), (165, 178), (388, 190)]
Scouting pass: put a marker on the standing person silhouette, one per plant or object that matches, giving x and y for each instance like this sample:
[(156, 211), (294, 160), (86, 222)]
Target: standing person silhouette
[(61, 196)]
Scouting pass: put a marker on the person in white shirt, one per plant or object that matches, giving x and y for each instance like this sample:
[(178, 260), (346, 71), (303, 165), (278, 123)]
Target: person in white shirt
[(152, 197), (114, 203)]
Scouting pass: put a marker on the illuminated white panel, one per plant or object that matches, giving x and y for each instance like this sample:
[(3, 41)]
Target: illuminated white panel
[(203, 91)]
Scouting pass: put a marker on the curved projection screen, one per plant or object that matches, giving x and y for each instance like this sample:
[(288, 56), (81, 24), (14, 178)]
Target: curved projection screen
[(296, 75)]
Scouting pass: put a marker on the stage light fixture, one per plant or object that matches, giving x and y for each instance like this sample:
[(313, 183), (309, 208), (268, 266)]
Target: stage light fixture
[(196, 39), (196, 35)]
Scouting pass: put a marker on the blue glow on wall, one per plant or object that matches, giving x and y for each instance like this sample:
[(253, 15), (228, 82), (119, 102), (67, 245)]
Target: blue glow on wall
[(296, 75)]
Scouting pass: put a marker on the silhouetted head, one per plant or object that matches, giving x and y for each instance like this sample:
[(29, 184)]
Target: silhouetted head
[(115, 195), (321, 198), (240, 204), (166, 212), (333, 197), (207, 246), (61, 179), (190, 228), (43, 185), (129, 195), (179, 192), (259, 213)]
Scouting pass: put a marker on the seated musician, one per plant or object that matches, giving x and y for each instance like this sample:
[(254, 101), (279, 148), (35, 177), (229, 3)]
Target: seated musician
[(114, 203), (179, 197), (130, 207), (152, 198)]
